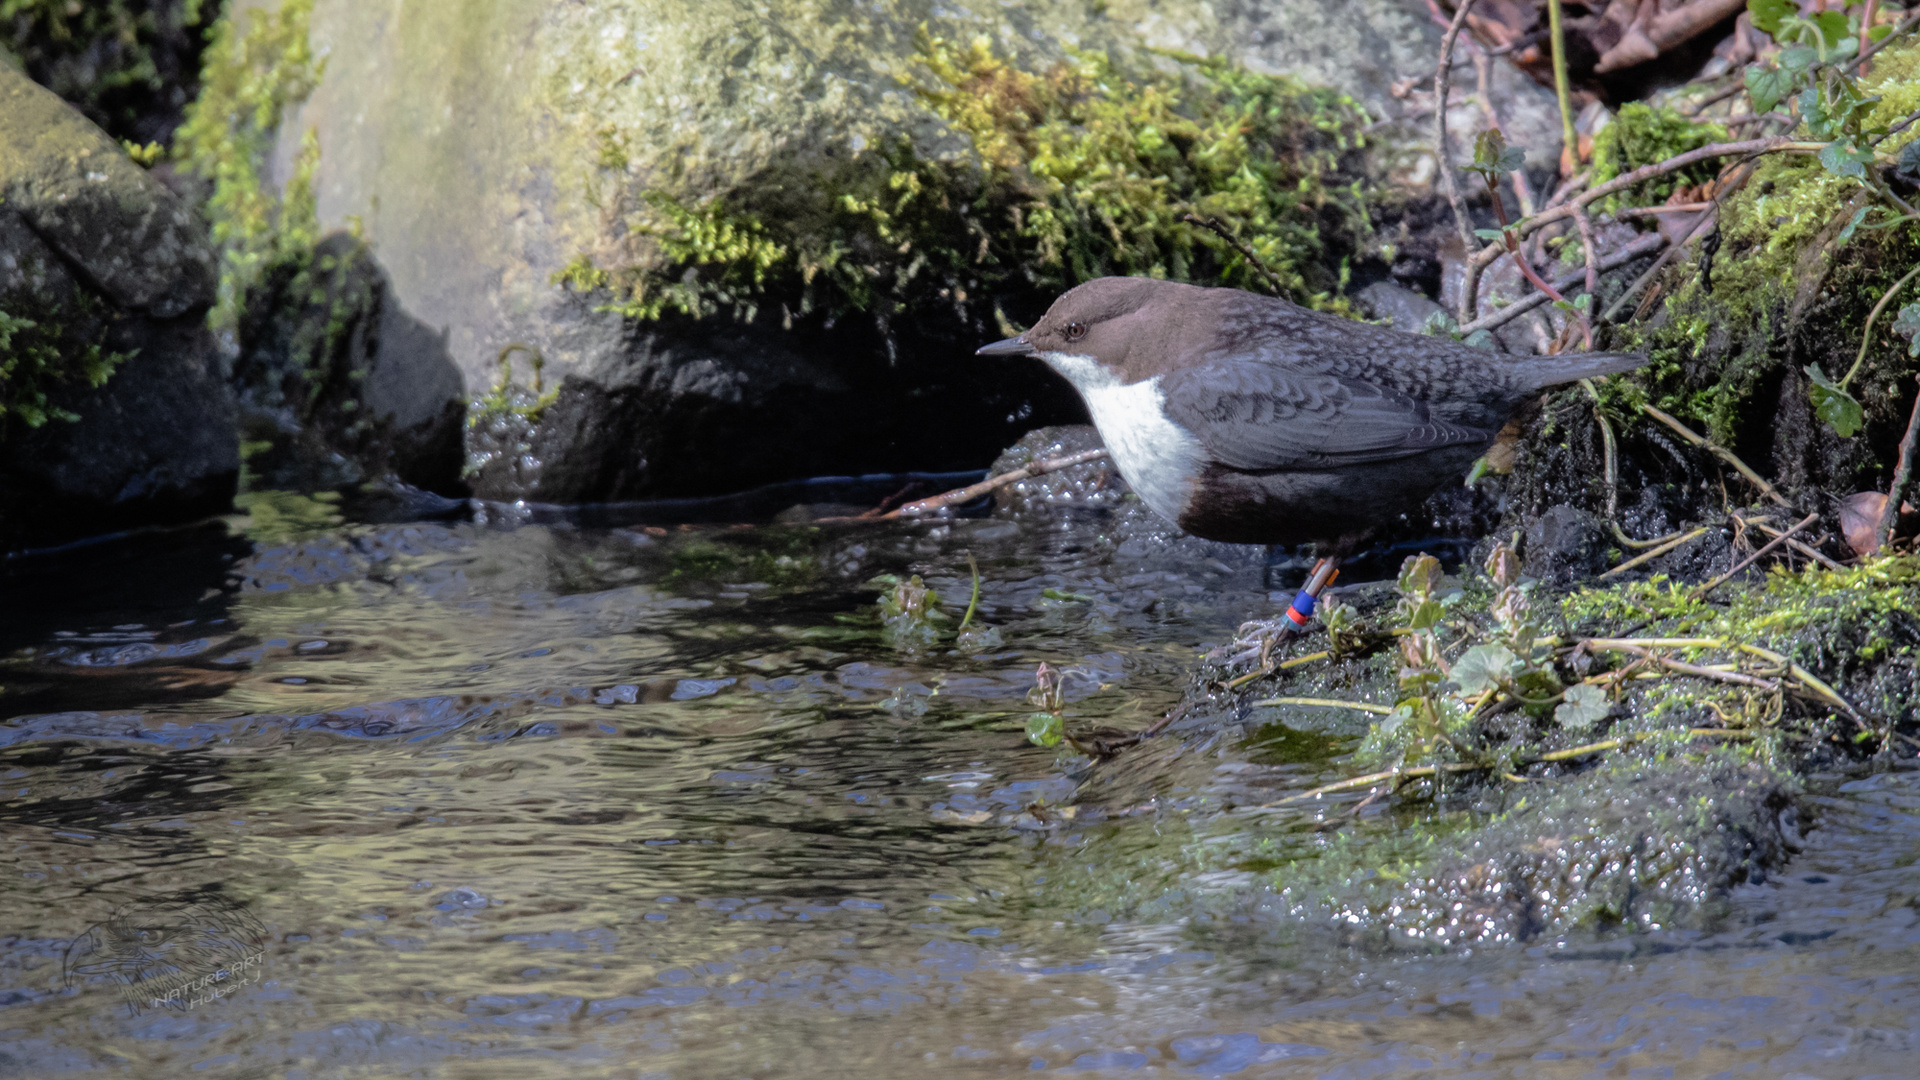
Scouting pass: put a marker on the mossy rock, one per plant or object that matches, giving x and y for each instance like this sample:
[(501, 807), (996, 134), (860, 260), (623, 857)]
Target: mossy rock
[(114, 407), (484, 148), (145, 249), (1802, 256)]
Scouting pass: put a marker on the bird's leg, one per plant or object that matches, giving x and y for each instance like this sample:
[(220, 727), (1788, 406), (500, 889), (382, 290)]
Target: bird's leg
[(1300, 612)]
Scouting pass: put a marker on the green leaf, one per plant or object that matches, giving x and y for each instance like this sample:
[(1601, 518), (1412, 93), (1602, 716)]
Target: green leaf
[(1438, 324), (1907, 325), (1813, 110), (1583, 707), (1846, 234), (1833, 28), (1797, 59), (1483, 667), (1768, 13), (1046, 729), (1493, 158), (1834, 406), (1842, 158), (1480, 339), (1767, 87), (1419, 576), (1489, 234), (1909, 160)]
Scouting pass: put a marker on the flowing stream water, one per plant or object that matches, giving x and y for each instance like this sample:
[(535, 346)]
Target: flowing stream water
[(530, 800)]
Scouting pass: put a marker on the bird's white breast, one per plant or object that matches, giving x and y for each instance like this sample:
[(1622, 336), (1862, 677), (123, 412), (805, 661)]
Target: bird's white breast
[(1159, 458)]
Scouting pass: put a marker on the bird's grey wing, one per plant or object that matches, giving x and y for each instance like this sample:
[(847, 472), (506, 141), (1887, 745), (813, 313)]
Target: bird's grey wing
[(1260, 417)]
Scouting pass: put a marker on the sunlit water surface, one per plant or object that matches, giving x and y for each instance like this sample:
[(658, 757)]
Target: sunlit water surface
[(471, 801)]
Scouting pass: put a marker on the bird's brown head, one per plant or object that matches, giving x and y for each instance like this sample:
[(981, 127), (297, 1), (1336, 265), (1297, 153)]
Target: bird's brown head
[(1131, 326)]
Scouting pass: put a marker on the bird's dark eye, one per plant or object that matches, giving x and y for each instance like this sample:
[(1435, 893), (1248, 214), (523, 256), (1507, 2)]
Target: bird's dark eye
[(1075, 331)]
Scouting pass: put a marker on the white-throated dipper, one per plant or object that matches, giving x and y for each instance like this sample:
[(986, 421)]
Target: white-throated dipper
[(1250, 420)]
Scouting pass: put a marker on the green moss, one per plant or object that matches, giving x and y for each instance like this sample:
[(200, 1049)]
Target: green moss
[(1642, 135), (1640, 833), (40, 354), (257, 65), (127, 64), (782, 557), (1728, 326), (1079, 171)]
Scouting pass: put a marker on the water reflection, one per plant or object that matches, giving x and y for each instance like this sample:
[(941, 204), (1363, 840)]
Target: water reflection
[(568, 801)]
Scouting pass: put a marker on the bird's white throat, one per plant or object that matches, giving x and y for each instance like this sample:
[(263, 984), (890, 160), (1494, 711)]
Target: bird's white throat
[(1159, 458)]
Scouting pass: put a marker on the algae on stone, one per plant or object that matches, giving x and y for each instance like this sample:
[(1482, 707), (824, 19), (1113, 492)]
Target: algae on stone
[(1083, 169)]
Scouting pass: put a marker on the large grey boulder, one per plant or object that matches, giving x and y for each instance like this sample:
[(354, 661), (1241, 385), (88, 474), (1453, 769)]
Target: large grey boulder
[(482, 145), (104, 261)]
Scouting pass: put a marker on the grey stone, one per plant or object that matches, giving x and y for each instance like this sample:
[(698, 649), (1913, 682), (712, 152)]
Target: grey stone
[(154, 445), (119, 228), (92, 246), (1565, 545), (1396, 305)]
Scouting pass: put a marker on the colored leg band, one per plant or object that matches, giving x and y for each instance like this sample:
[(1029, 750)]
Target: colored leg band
[(1302, 608)]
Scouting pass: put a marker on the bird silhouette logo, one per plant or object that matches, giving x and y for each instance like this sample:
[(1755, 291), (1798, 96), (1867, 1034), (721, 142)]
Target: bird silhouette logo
[(170, 952)]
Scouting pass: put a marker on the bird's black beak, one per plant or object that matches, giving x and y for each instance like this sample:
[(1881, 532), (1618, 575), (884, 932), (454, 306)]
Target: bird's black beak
[(1013, 346)]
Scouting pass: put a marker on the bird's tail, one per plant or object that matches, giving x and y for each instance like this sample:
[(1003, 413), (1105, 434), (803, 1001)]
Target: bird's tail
[(1539, 372)]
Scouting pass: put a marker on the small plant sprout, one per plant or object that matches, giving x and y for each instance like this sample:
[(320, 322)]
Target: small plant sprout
[(971, 638), (908, 611), (1048, 726)]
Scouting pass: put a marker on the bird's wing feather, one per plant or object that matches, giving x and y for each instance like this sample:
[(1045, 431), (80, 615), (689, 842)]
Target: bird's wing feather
[(1260, 417)]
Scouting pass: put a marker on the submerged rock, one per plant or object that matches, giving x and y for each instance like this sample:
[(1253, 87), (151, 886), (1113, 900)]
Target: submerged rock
[(114, 410)]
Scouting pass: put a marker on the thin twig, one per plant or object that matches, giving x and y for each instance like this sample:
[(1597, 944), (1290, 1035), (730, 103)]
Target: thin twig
[(1359, 782), (1569, 135), (1866, 333), (1568, 187), (1719, 451), (1606, 428), (1329, 703), (1770, 545), (1866, 29), (1642, 545), (1655, 211), (1902, 474), (1442, 76), (1802, 675), (1809, 552), (1525, 265), (1483, 79), (1371, 779), (973, 602), (1640, 248), (1809, 680), (1709, 219), (1906, 24), (1624, 741), (1775, 144), (1585, 223), (985, 487), (1246, 252), (1683, 540), (1716, 98), (1298, 661), (1684, 668)]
